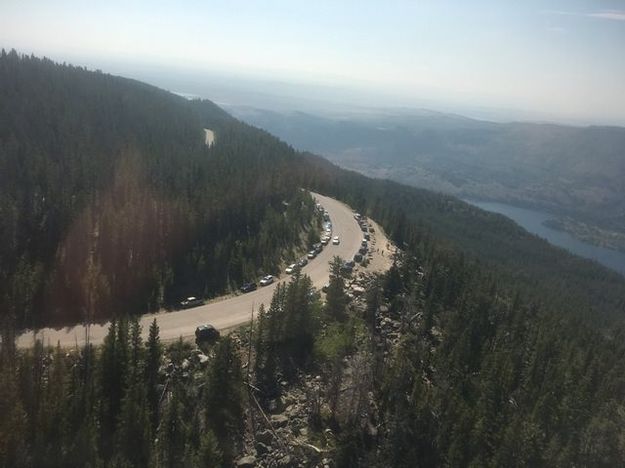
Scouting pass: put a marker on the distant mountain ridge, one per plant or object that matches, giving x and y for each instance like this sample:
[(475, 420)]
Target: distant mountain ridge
[(576, 171)]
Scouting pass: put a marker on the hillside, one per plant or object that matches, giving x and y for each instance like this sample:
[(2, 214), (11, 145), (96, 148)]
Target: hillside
[(111, 202), (108, 187), (482, 345), (568, 171)]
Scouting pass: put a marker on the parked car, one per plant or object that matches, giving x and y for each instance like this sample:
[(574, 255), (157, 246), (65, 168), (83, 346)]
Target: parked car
[(364, 243), (248, 287), (325, 240), (312, 254), (317, 247), (362, 251), (358, 258), (336, 240), (367, 236), (266, 280), (291, 268), (347, 267), (206, 333), (303, 262), (191, 302)]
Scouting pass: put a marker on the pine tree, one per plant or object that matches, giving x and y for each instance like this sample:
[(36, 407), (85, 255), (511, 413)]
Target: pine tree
[(224, 396), (209, 453), (13, 422), (153, 357), (336, 299), (170, 445)]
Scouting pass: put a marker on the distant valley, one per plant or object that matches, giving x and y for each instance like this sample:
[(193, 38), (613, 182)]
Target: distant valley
[(575, 173)]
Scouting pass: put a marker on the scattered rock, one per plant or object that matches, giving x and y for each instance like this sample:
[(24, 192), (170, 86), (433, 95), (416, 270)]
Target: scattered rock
[(288, 400), (286, 461)]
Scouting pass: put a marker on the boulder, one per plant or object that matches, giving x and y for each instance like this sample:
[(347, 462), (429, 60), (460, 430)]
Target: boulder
[(202, 358), (261, 448), (279, 420), (265, 436), (248, 461)]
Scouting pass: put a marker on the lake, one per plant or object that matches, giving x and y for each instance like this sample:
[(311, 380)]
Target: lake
[(532, 221)]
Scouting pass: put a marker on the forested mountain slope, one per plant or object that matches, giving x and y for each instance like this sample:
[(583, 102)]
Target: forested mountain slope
[(482, 346), (111, 202)]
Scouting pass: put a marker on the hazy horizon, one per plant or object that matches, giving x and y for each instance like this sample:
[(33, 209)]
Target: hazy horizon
[(543, 61)]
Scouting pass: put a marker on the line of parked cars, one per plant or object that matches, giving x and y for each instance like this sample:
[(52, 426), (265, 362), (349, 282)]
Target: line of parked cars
[(207, 333)]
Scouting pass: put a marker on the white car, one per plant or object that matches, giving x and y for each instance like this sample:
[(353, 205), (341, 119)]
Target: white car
[(325, 240), (291, 268), (267, 280), (336, 240)]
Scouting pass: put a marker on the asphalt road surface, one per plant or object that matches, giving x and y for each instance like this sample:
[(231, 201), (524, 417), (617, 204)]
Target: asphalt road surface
[(233, 310)]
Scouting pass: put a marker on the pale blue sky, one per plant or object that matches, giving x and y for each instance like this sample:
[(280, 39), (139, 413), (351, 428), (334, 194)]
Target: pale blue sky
[(564, 58)]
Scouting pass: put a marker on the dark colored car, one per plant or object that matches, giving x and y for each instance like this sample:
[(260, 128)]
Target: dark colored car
[(358, 258), (191, 302), (347, 267), (206, 333), (248, 287), (303, 262)]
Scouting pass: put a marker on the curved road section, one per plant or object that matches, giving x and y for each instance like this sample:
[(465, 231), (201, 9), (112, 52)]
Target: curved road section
[(234, 310)]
